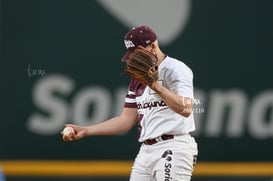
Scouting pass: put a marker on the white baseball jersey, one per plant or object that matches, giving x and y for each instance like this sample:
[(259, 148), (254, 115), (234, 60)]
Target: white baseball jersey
[(154, 116)]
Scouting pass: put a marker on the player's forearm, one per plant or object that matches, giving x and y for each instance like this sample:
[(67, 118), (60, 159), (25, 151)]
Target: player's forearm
[(112, 126), (178, 104)]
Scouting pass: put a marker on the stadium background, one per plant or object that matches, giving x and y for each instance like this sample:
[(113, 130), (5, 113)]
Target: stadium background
[(60, 62)]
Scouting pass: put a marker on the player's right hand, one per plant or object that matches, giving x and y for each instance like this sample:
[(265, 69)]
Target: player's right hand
[(79, 132)]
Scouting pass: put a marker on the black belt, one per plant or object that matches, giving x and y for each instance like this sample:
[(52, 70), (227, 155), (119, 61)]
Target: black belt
[(158, 139)]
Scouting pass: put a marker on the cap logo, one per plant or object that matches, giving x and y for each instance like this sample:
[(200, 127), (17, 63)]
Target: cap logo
[(128, 44)]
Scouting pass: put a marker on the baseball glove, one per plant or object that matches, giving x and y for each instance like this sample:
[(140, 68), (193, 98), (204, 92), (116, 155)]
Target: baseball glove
[(142, 65)]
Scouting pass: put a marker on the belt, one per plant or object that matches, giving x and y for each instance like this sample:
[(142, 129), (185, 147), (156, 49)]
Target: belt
[(158, 139)]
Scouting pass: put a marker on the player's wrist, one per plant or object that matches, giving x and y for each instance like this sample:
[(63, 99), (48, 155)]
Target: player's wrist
[(156, 86)]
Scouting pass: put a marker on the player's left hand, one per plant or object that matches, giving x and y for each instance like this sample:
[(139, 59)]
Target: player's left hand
[(143, 66)]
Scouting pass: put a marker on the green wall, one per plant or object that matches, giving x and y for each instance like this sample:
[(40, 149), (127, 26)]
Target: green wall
[(61, 63)]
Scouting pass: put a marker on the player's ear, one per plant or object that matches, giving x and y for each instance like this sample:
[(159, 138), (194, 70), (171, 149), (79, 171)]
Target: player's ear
[(153, 45)]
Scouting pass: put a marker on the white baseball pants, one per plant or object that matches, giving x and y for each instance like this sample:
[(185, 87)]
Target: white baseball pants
[(169, 160)]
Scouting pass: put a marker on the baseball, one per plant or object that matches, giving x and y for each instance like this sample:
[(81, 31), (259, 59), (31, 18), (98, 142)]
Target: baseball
[(67, 131)]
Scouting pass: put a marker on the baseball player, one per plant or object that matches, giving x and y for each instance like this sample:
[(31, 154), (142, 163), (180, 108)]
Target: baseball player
[(160, 101)]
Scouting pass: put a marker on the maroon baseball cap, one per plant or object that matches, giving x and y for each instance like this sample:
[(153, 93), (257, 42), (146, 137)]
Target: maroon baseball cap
[(138, 36)]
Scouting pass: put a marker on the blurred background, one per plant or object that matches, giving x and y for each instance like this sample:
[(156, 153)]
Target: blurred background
[(60, 63)]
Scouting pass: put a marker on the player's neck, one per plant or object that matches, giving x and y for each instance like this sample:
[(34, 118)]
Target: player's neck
[(161, 56)]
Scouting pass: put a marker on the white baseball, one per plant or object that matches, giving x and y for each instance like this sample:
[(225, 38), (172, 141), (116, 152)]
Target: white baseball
[(68, 130)]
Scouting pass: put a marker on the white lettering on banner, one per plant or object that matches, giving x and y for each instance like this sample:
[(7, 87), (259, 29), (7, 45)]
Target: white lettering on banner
[(228, 113), (58, 111), (220, 101), (100, 100), (175, 21), (56, 108), (261, 126)]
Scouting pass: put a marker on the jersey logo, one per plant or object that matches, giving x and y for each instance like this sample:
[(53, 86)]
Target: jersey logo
[(168, 164), (150, 105)]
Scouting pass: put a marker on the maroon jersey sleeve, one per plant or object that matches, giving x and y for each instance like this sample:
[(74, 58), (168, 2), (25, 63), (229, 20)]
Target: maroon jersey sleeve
[(130, 99)]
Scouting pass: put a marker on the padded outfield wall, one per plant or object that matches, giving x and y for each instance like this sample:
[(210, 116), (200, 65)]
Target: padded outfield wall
[(60, 63)]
